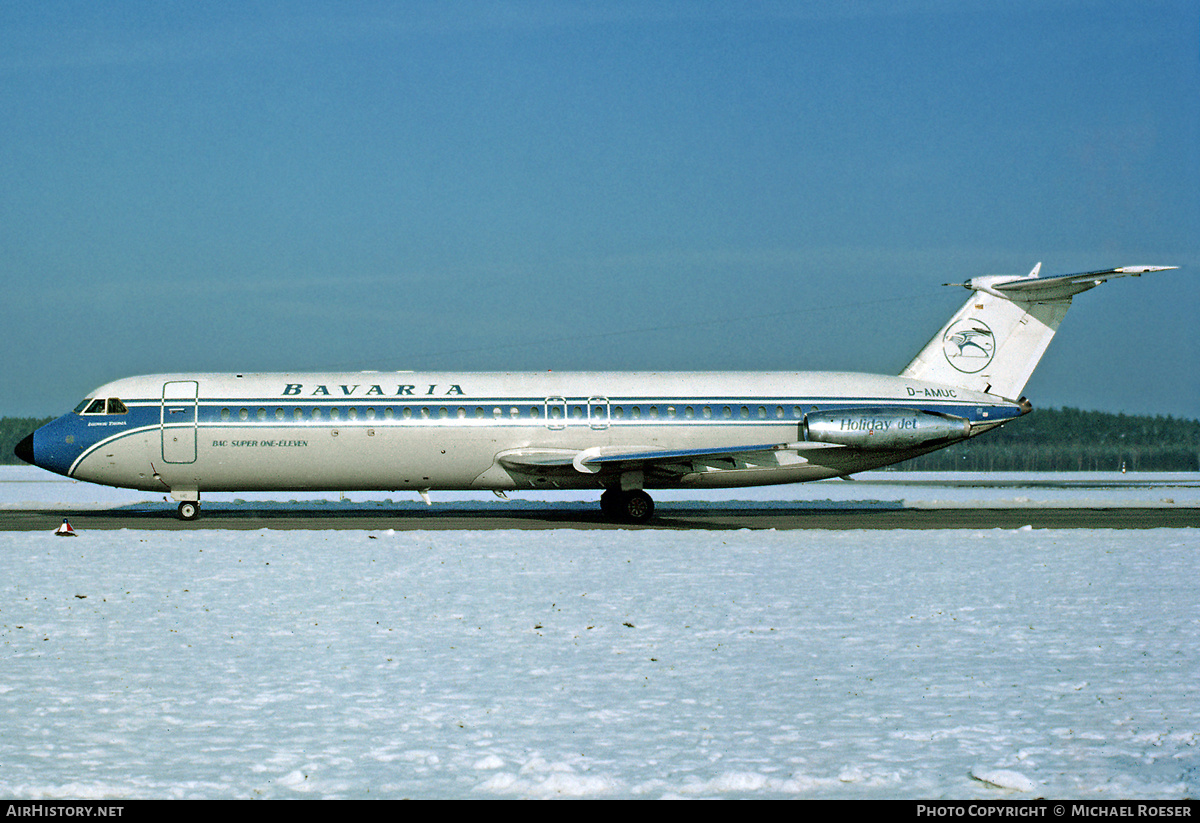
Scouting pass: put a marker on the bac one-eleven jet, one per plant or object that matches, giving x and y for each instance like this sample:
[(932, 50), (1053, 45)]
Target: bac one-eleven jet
[(619, 433)]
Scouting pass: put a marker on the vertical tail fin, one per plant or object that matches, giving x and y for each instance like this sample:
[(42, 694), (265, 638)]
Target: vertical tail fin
[(994, 342)]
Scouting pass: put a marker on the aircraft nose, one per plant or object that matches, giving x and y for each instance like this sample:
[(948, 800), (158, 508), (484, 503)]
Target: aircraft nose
[(24, 450)]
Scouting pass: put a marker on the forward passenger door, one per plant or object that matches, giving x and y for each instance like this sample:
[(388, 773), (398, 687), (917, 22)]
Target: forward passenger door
[(179, 419)]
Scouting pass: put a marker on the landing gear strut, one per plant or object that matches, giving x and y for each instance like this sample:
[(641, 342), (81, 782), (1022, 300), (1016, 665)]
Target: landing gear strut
[(634, 506)]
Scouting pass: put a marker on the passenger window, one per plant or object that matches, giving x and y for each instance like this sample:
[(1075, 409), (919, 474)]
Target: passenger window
[(224, 414)]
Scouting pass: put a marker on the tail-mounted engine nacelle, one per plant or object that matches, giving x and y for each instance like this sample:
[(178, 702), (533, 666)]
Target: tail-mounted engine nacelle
[(883, 428)]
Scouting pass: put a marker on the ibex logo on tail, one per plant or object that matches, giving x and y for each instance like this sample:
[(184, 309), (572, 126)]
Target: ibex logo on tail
[(969, 345)]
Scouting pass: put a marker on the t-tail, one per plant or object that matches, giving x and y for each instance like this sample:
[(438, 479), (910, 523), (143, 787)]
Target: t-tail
[(994, 342)]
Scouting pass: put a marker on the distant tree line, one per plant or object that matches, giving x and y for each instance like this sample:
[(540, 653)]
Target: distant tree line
[(1046, 440), (1067, 439), (13, 431)]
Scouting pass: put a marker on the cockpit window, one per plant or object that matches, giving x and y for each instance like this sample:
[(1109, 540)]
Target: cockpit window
[(101, 405)]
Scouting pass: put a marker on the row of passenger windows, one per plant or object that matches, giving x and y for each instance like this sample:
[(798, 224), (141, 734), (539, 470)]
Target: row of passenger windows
[(594, 413)]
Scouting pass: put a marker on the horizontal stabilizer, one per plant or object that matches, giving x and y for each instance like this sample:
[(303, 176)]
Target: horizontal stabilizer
[(1064, 286)]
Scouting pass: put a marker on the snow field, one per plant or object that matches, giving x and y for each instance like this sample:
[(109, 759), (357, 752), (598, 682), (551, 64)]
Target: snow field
[(957, 664), (28, 487)]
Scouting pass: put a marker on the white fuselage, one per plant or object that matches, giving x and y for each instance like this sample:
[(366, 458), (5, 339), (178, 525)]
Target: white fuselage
[(188, 433)]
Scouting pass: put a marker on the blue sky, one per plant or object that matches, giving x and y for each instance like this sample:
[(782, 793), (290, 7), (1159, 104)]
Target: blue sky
[(531, 185)]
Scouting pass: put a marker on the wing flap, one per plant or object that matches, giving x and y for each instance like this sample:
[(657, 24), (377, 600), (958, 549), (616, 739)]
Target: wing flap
[(670, 461)]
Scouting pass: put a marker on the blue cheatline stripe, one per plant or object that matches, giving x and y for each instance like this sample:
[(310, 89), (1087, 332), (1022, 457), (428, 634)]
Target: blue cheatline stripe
[(619, 412), (826, 403)]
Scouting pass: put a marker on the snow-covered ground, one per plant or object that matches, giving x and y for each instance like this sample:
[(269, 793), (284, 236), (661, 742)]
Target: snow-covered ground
[(629, 663)]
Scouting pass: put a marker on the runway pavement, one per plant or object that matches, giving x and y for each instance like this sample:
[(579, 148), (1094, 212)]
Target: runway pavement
[(578, 516)]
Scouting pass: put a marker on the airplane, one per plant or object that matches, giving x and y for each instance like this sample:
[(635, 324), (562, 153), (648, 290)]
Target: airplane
[(619, 433)]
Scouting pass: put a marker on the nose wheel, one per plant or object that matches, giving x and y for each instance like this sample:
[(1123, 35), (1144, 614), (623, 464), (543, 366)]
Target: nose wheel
[(189, 510), (633, 506)]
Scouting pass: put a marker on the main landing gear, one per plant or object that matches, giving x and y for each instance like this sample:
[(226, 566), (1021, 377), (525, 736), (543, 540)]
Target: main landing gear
[(634, 506)]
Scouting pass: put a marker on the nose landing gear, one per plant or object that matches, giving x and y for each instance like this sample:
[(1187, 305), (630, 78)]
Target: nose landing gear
[(188, 499)]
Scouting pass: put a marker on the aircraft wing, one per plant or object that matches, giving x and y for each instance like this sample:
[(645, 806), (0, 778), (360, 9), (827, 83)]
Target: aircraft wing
[(657, 461)]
